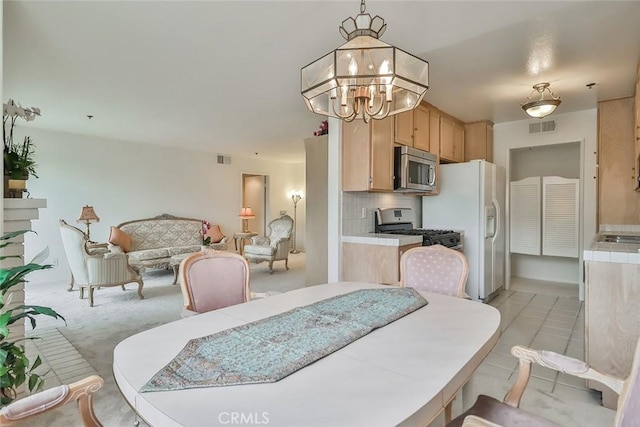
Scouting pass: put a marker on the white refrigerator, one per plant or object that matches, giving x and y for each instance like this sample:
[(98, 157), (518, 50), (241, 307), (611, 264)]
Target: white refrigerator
[(471, 200)]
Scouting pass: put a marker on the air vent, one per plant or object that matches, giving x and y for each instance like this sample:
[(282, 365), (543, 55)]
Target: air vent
[(539, 127), (224, 160)]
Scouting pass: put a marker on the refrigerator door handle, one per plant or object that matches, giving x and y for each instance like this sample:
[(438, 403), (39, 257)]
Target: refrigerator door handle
[(497, 220), (490, 221)]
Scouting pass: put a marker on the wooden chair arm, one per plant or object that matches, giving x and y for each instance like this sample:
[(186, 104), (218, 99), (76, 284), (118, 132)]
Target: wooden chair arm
[(80, 391), (526, 356)]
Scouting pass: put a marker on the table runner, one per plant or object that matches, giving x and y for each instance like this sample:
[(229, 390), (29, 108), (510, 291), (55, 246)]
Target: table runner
[(270, 349)]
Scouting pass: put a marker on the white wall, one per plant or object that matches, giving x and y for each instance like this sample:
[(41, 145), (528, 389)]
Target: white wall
[(125, 181), (570, 127)]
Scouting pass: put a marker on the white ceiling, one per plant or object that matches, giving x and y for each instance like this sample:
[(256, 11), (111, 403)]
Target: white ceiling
[(224, 76)]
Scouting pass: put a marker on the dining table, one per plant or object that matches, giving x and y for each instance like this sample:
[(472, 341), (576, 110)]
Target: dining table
[(404, 373)]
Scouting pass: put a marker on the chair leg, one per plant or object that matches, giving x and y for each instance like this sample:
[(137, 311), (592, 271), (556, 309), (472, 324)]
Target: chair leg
[(286, 263), (81, 292), (91, 289), (123, 288), (140, 284), (71, 284), (271, 267)]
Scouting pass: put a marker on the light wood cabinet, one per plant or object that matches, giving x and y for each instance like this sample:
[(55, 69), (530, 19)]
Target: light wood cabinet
[(612, 320), (434, 131), (404, 128), (636, 182), (451, 140), (618, 203), (412, 128), (372, 263), (367, 155), (478, 141), (421, 128)]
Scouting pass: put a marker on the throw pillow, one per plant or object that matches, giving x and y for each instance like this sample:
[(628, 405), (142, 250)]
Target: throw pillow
[(120, 238), (215, 233)]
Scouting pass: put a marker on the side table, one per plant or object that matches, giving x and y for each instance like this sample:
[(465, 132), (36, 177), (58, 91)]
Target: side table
[(239, 239)]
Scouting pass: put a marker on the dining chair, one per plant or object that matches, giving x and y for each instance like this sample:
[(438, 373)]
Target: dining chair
[(436, 269), (213, 279), (488, 411), (81, 391)]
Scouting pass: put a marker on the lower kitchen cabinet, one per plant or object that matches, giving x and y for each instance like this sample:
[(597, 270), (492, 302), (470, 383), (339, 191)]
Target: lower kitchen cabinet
[(372, 263), (612, 320)]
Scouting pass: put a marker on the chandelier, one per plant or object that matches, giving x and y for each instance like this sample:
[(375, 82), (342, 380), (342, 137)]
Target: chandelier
[(364, 77), (539, 108)]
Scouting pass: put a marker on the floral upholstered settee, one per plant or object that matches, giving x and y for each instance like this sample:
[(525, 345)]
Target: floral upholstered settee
[(151, 242)]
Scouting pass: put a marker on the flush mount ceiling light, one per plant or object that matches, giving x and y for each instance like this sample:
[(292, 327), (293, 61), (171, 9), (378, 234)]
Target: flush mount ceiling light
[(364, 77), (539, 108)]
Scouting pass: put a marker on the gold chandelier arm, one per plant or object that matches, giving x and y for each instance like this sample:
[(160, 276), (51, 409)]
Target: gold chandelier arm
[(346, 118)]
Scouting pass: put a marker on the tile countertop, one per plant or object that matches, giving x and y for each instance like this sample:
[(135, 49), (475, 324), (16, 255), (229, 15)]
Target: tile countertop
[(625, 253), (382, 239)]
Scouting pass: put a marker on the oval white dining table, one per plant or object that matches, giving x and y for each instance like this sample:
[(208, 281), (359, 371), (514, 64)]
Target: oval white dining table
[(401, 374)]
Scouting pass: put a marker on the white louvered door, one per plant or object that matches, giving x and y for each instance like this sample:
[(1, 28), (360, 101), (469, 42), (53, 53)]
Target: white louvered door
[(524, 223), (560, 216)]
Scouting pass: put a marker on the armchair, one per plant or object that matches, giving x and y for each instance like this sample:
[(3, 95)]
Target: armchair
[(95, 270), (274, 246)]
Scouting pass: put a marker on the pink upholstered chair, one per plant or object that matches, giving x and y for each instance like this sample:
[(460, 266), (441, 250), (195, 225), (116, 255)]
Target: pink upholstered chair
[(435, 269), (80, 391), (213, 279), (488, 411)]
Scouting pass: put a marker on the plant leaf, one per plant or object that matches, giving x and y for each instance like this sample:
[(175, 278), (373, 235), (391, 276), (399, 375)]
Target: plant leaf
[(33, 381), (41, 257)]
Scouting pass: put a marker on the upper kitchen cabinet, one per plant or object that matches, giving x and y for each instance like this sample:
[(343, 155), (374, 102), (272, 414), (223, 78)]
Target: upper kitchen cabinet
[(451, 139), (367, 155), (412, 128), (478, 141), (617, 202), (636, 182)]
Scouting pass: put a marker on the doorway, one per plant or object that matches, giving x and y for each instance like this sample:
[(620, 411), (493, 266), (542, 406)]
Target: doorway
[(563, 160), (254, 195)]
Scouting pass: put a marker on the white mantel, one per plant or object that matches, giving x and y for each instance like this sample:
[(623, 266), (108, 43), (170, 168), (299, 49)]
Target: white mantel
[(17, 215)]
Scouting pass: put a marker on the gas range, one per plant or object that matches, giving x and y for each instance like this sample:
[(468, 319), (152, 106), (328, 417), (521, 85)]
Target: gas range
[(400, 221)]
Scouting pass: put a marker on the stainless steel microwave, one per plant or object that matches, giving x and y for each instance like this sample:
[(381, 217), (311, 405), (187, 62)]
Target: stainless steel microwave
[(414, 170)]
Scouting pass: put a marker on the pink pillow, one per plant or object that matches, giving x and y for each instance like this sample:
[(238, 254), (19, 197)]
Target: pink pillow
[(120, 238), (215, 233)]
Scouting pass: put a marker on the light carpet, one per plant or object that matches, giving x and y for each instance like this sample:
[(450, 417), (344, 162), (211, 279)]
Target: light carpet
[(116, 315)]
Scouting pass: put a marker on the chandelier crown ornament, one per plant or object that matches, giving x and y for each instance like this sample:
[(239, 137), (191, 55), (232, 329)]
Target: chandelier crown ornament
[(365, 77), (541, 107)]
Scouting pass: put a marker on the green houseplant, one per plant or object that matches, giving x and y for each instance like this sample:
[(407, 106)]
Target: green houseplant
[(17, 156), (15, 367)]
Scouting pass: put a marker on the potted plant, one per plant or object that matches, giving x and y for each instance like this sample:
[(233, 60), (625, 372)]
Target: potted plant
[(17, 156), (15, 367)]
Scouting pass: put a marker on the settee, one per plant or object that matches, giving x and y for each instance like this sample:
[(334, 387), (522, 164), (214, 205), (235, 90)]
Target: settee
[(151, 242)]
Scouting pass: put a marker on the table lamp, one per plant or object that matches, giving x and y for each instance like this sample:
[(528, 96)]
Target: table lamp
[(88, 215), (246, 214)]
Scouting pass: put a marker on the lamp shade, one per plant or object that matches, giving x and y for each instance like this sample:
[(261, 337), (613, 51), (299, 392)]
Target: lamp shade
[(88, 215), (246, 213)]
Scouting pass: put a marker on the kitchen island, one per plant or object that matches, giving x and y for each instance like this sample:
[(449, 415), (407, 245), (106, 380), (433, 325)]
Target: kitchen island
[(612, 306), (375, 257)]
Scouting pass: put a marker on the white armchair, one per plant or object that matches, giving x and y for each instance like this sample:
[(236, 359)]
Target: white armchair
[(95, 270), (274, 246)]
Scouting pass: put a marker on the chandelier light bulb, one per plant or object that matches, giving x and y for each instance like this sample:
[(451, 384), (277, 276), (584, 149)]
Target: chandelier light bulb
[(541, 107)]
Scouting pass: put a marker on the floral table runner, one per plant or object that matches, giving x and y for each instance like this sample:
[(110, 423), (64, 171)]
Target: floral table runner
[(272, 348)]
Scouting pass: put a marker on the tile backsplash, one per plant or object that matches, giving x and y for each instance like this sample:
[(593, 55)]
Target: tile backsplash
[(353, 204)]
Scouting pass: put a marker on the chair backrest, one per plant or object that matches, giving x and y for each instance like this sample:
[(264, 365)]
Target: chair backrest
[(435, 269), (629, 401), (280, 227), (73, 241), (214, 279)]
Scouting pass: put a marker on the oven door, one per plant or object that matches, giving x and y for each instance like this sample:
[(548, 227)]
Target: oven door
[(415, 174)]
